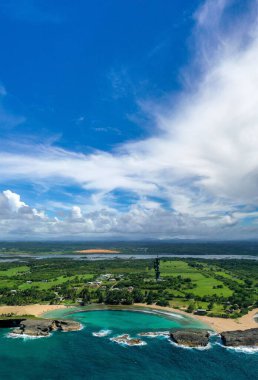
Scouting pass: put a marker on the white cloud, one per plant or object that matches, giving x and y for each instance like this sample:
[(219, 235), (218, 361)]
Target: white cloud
[(19, 220), (13, 200), (202, 161), (11, 207), (143, 220), (76, 213)]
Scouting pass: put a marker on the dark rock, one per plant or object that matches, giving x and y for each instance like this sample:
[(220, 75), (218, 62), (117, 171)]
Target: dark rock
[(126, 339), (190, 337), (43, 327), (34, 327), (67, 325), (240, 338)]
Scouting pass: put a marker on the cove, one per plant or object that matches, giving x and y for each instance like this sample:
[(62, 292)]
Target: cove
[(81, 355)]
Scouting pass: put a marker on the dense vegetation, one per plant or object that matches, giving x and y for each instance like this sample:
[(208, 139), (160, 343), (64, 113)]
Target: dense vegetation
[(225, 288), (142, 247)]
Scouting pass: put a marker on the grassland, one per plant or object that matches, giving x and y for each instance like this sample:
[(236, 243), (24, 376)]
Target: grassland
[(225, 288)]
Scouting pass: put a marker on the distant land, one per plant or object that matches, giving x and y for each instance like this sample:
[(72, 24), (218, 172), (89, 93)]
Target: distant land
[(133, 248)]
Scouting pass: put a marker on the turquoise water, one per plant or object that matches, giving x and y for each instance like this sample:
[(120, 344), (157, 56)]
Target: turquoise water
[(80, 355)]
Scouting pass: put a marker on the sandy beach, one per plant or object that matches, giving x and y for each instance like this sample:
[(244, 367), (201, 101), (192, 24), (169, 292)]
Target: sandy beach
[(98, 251), (217, 324), (36, 309)]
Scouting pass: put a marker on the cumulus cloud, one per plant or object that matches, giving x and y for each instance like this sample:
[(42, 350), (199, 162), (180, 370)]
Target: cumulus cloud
[(20, 221), (11, 207), (202, 162)]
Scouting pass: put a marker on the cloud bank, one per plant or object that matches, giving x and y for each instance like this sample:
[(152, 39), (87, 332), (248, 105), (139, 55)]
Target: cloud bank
[(195, 177)]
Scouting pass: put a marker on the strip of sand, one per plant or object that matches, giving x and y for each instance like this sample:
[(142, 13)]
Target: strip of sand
[(36, 310), (98, 251), (217, 324)]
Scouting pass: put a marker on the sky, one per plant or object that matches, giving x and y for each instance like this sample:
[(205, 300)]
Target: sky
[(129, 120)]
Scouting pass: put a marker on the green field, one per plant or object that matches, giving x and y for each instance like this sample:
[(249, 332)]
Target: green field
[(15, 271), (221, 287)]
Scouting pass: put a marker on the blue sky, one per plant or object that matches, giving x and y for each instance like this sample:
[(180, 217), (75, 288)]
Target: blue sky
[(78, 72), (128, 119)]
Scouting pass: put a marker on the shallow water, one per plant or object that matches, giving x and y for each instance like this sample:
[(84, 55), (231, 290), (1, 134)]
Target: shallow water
[(80, 355)]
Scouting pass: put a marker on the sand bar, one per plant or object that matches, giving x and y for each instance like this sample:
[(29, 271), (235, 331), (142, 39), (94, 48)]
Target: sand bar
[(217, 324), (97, 250)]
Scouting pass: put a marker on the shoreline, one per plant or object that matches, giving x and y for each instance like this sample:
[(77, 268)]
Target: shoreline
[(36, 310), (217, 324)]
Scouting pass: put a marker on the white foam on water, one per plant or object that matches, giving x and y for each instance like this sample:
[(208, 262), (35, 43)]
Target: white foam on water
[(142, 343), (155, 334), (199, 348), (124, 340), (242, 349), (25, 336), (102, 333), (125, 344), (245, 350), (161, 312)]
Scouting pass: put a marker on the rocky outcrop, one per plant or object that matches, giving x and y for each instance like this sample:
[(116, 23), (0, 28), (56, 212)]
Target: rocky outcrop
[(67, 325), (127, 340), (43, 327), (190, 337), (240, 338), (34, 327)]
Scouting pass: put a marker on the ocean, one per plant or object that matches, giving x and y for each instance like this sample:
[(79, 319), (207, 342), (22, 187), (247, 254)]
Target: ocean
[(83, 355)]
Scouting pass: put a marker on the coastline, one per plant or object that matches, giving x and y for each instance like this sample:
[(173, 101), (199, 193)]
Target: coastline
[(35, 309), (217, 324)]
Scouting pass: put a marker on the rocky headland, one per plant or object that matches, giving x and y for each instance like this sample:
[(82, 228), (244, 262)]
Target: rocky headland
[(200, 338), (42, 327), (240, 338)]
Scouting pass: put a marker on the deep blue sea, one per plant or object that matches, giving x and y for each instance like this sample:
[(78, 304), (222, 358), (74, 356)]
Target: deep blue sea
[(81, 355)]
